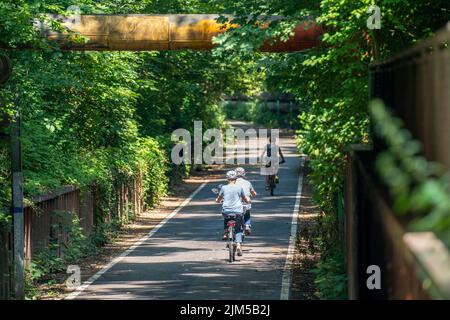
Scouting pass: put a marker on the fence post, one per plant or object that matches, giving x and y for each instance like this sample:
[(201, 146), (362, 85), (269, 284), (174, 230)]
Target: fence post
[(352, 223), (350, 228), (17, 208)]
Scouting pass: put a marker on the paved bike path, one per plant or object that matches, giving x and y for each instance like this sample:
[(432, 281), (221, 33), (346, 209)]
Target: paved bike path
[(185, 258)]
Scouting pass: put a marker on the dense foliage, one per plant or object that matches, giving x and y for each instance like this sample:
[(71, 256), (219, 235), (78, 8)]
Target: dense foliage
[(101, 119), (331, 82), (102, 116), (106, 117), (269, 114)]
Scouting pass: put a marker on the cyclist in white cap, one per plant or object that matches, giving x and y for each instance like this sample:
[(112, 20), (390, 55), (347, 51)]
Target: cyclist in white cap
[(249, 192), (232, 197)]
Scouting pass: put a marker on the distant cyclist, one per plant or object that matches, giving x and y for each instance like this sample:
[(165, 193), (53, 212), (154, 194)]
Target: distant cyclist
[(267, 154), (249, 192), (232, 197)]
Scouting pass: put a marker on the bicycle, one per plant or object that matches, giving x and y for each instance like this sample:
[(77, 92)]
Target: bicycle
[(272, 183), (231, 245), (272, 179), (231, 225)]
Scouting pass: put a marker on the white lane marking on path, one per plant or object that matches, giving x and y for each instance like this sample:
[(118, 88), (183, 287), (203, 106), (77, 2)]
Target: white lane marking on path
[(91, 280), (287, 271)]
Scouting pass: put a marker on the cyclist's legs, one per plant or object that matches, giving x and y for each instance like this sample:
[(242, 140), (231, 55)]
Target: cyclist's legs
[(247, 218), (225, 223), (267, 174), (238, 228)]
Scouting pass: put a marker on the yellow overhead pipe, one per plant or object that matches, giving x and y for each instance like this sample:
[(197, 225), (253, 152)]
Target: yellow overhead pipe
[(139, 32)]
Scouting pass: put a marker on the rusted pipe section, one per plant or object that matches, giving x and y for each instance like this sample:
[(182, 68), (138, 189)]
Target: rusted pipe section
[(161, 32)]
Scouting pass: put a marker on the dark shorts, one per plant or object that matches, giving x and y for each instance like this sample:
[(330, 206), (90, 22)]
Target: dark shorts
[(237, 218)]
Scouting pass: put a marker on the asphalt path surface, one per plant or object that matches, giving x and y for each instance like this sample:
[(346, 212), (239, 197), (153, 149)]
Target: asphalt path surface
[(186, 259)]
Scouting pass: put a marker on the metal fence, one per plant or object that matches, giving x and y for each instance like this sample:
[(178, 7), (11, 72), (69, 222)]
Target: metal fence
[(47, 219), (374, 236), (415, 84)]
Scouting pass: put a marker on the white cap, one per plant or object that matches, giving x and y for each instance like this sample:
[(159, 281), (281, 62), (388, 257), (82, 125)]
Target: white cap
[(231, 175), (240, 172)]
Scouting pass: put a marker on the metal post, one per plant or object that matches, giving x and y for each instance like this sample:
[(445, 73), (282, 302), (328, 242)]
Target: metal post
[(17, 208)]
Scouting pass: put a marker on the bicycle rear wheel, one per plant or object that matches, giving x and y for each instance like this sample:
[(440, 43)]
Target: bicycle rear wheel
[(272, 185)]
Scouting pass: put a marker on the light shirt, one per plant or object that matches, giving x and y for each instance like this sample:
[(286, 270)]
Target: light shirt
[(248, 188), (232, 195)]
